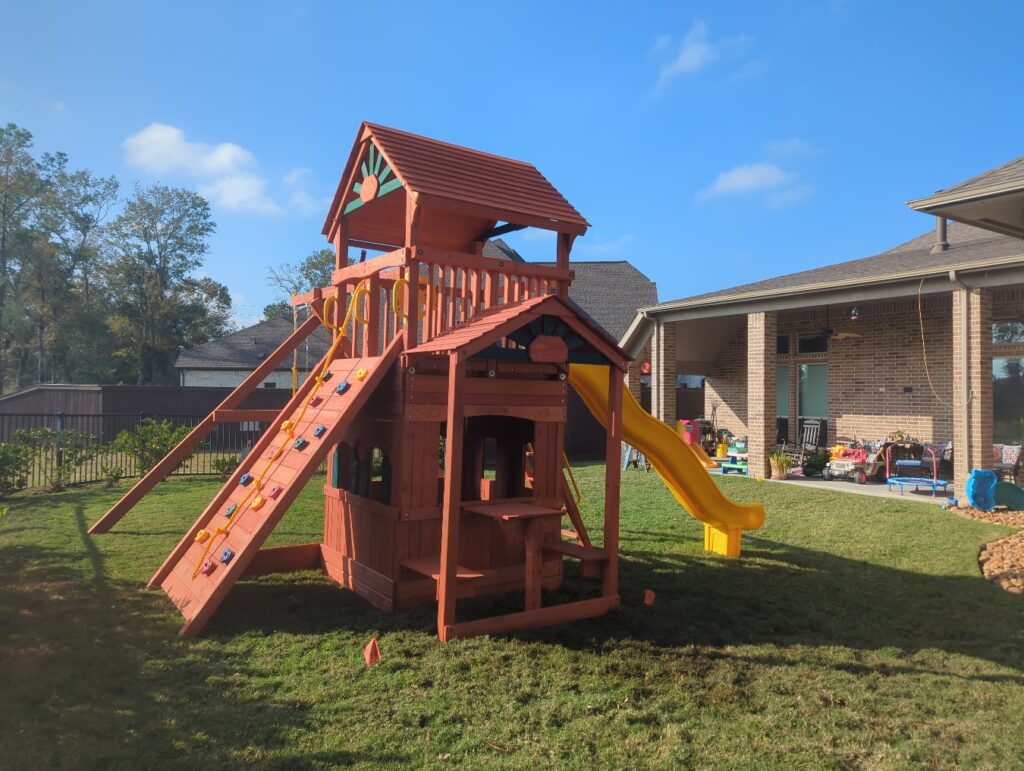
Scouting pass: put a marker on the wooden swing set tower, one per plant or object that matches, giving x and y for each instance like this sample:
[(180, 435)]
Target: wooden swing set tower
[(444, 420)]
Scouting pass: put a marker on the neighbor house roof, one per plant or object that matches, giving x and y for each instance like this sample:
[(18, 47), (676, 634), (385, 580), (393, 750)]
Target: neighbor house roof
[(610, 292), (247, 348)]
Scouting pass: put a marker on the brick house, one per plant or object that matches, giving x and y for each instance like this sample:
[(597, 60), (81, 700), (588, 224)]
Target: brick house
[(927, 337)]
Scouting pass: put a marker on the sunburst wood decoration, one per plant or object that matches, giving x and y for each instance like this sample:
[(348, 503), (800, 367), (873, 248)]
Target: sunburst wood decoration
[(377, 180)]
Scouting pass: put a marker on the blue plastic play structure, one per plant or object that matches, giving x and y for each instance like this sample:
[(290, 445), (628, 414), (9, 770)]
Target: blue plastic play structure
[(980, 489)]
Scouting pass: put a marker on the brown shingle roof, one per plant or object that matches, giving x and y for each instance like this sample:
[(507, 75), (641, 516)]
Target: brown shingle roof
[(609, 292), (1010, 172), (247, 348), (967, 245)]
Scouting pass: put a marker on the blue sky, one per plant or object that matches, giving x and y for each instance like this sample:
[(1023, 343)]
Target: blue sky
[(708, 143)]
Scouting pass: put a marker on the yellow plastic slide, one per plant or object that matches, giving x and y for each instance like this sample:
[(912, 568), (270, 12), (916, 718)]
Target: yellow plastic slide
[(677, 464)]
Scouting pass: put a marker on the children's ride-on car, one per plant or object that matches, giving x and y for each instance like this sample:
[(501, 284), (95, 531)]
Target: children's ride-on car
[(847, 463)]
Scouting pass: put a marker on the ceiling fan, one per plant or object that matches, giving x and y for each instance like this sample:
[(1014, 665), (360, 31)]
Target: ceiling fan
[(833, 335)]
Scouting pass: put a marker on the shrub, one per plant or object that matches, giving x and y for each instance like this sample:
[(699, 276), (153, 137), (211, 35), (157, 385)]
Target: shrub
[(58, 452), (225, 464), (150, 441), (111, 474), (15, 462)]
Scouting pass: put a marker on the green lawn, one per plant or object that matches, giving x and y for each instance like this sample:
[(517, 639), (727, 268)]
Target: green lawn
[(854, 632)]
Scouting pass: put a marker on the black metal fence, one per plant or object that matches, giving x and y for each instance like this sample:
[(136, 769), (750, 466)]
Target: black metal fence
[(97, 432)]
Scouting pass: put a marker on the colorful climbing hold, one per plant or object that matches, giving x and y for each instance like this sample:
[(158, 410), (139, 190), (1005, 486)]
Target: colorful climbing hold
[(201, 536), (208, 566), (300, 443), (361, 373), (325, 377), (343, 386), (227, 555), (231, 510), (286, 425), (315, 401), (257, 503), (275, 491), (319, 430), (245, 480)]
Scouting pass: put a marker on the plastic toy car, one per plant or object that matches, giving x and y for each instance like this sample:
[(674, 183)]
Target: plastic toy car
[(847, 463)]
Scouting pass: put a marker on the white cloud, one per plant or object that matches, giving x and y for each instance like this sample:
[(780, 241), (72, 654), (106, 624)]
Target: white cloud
[(790, 196), (55, 105), (746, 179), (794, 147), (226, 171), (601, 248), (661, 44), (695, 53), (300, 200)]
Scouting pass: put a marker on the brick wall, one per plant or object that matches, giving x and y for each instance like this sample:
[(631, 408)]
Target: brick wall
[(761, 335), (868, 376), (663, 376)]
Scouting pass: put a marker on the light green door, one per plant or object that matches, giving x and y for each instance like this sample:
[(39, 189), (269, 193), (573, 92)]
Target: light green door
[(812, 391)]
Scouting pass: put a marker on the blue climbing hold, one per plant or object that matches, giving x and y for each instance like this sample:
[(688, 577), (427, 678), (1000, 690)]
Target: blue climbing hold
[(231, 510), (343, 386), (326, 376), (226, 556), (246, 479), (319, 430)]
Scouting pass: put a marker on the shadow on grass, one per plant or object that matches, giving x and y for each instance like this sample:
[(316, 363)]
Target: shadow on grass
[(93, 673)]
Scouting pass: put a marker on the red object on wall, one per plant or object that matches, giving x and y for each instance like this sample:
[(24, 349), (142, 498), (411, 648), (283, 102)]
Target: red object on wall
[(645, 368)]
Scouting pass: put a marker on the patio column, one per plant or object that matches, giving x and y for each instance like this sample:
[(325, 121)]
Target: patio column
[(761, 333), (663, 373), (972, 395)]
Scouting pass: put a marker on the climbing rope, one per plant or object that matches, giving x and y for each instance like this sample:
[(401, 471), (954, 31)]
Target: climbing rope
[(288, 426)]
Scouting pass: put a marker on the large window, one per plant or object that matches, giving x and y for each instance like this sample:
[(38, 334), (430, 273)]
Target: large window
[(813, 391), (782, 391), (1008, 399)]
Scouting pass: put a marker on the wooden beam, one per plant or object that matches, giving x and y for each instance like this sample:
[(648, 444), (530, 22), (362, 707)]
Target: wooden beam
[(501, 230), (612, 479), (530, 619), (200, 432), (451, 508)]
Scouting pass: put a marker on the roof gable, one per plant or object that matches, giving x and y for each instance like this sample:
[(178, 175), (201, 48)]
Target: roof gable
[(468, 189), (247, 348)]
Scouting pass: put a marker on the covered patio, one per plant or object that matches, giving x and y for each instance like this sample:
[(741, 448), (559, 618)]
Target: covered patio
[(914, 339)]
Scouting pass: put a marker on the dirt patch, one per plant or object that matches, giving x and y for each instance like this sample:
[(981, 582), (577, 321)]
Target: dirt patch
[(1002, 561)]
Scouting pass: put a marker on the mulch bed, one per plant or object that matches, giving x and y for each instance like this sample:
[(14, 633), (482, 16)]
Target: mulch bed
[(1002, 561)]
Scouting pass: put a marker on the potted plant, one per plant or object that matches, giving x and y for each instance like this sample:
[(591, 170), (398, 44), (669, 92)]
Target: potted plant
[(780, 463)]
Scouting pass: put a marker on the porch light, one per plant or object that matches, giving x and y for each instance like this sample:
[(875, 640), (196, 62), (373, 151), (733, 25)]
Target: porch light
[(854, 313)]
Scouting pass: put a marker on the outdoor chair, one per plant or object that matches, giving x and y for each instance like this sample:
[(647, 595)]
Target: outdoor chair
[(809, 444), (1007, 465)]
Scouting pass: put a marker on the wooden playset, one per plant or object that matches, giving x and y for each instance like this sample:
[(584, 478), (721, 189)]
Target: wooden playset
[(441, 406)]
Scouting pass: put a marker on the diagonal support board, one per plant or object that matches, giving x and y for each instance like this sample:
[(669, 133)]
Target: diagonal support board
[(195, 437), (197, 597)]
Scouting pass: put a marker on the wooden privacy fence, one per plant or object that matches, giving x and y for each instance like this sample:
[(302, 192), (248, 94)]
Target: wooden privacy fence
[(99, 431)]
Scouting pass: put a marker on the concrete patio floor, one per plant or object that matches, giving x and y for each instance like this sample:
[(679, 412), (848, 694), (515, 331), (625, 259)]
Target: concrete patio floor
[(875, 489)]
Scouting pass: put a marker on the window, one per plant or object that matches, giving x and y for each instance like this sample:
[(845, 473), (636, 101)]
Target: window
[(817, 343), (813, 391), (1008, 399), (270, 384), (782, 392), (782, 345), (1008, 333)]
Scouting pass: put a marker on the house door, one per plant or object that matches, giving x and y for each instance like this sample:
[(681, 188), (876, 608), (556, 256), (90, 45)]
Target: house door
[(812, 396)]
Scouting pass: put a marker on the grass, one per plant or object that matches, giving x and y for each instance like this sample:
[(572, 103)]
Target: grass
[(855, 631)]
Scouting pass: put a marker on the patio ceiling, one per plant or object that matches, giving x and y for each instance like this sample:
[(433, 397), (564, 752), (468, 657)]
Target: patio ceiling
[(993, 200)]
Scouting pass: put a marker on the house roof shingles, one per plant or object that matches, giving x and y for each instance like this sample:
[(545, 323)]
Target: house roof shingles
[(1008, 173), (967, 245), (247, 348)]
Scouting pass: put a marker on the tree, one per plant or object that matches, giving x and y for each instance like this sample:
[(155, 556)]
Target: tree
[(278, 310), (23, 180), (158, 306)]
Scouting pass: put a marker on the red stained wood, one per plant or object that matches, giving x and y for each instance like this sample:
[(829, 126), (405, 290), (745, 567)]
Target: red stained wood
[(450, 507), (612, 479), (285, 559), (531, 619), (548, 349), (508, 511)]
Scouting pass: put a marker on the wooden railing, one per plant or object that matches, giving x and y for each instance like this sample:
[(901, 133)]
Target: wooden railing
[(448, 289)]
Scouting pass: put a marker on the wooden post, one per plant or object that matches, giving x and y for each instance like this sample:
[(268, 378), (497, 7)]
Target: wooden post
[(371, 332), (612, 474), (411, 270), (564, 246), (341, 244), (452, 506)]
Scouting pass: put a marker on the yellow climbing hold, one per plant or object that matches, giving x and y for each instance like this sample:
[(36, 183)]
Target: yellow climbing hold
[(361, 373), (201, 536), (286, 425), (257, 503)]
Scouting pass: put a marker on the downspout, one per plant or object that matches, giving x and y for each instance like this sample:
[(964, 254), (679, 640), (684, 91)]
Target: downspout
[(965, 419)]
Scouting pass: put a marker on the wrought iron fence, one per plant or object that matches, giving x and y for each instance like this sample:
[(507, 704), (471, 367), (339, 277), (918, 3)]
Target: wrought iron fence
[(227, 440)]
